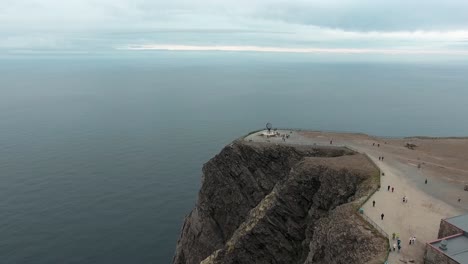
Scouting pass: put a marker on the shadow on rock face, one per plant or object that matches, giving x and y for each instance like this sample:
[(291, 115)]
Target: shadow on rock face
[(265, 203)]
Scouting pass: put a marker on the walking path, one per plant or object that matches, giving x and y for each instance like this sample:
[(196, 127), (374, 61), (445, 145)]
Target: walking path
[(419, 217)]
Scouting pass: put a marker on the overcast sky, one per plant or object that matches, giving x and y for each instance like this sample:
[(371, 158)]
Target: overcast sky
[(114, 24)]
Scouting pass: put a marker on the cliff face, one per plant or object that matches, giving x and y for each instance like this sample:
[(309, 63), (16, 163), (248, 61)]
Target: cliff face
[(266, 203)]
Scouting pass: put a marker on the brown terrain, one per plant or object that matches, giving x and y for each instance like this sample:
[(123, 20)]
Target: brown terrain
[(407, 163)]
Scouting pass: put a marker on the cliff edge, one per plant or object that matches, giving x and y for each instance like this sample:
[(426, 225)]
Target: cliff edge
[(267, 203)]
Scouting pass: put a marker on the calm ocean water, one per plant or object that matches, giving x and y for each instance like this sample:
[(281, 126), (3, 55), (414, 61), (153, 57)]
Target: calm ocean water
[(100, 157)]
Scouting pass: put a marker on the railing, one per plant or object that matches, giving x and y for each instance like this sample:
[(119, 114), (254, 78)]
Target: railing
[(376, 226), (363, 215)]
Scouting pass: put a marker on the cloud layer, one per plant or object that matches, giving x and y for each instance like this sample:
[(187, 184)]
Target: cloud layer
[(351, 15), (429, 25)]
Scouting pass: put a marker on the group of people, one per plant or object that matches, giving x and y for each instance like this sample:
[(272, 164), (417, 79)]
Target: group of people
[(381, 158), (397, 245), (378, 145), (388, 188), (405, 199)]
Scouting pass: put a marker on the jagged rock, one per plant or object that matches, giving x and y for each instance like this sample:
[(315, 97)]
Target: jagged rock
[(264, 203)]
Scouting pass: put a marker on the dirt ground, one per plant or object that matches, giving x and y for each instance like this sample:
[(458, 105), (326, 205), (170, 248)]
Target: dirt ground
[(442, 161)]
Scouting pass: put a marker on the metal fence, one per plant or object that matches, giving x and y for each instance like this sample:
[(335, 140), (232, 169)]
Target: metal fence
[(375, 225)]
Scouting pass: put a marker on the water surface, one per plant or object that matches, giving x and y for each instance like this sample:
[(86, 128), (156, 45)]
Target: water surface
[(100, 157)]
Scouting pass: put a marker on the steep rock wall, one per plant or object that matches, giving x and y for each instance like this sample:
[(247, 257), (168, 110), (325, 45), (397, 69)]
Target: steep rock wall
[(266, 203)]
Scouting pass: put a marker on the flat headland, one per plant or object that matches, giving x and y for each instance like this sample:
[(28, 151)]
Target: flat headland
[(429, 172)]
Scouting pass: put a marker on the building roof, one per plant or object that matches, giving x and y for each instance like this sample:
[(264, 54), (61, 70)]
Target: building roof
[(457, 248), (460, 221)]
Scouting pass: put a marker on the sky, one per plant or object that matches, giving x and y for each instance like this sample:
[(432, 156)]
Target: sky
[(300, 26)]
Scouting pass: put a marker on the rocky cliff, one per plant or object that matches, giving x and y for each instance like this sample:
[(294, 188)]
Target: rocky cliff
[(267, 203)]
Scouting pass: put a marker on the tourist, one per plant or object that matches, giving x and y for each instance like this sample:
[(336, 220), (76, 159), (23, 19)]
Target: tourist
[(378, 145), (404, 198), (373, 144), (382, 216), (388, 188), (393, 189), (414, 240), (394, 246), (399, 247), (382, 158), (410, 240), (373, 203), (393, 236), (425, 182), (459, 199)]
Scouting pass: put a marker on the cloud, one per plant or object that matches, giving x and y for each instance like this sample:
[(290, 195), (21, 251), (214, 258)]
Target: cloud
[(363, 24), (371, 15), (294, 50), (352, 15)]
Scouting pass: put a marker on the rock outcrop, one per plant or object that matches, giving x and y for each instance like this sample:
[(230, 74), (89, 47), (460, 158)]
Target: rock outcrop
[(266, 203)]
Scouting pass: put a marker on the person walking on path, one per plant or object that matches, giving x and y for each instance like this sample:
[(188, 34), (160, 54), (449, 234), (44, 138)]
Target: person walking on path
[(388, 188), (394, 246), (459, 199), (425, 182), (393, 189), (373, 203), (399, 247), (382, 216), (404, 198), (382, 158)]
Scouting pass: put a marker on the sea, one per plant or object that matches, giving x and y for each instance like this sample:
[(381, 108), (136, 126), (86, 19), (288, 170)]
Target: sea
[(101, 155)]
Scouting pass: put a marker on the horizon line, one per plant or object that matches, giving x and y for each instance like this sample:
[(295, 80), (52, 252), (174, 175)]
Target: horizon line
[(253, 48)]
